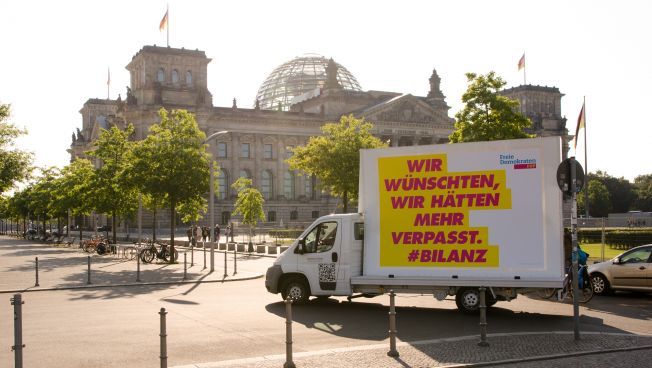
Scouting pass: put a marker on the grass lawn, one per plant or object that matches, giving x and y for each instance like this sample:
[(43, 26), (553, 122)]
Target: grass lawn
[(594, 251)]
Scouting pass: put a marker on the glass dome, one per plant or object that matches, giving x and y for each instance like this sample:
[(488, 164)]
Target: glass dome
[(298, 76)]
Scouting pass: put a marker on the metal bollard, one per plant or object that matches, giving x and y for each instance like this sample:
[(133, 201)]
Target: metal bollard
[(204, 259), (163, 335), (192, 257), (225, 256), (138, 266), (89, 270), (288, 334), (36, 284), (392, 326), (185, 268), (483, 317), (17, 302), (212, 257), (235, 260)]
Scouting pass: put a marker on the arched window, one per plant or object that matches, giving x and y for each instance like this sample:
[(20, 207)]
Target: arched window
[(288, 185), (222, 189), (267, 187), (175, 77), (244, 173), (189, 78), (160, 75)]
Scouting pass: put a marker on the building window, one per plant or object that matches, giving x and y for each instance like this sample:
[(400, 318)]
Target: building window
[(222, 179), (310, 181), (244, 173), (160, 75), (245, 150), (175, 77), (288, 151), (221, 149), (267, 151), (271, 216), (226, 217), (315, 214), (189, 78), (288, 185), (294, 215), (266, 186)]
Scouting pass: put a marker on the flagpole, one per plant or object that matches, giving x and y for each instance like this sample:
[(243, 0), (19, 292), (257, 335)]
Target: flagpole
[(167, 11), (524, 66), (586, 167)]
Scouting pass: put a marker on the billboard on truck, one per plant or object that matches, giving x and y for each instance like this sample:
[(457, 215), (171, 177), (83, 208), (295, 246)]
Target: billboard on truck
[(467, 210)]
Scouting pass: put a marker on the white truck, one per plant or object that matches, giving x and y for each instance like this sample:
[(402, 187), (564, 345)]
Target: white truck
[(441, 220)]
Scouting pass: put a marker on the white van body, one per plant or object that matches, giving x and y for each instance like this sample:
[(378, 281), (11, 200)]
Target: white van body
[(347, 254)]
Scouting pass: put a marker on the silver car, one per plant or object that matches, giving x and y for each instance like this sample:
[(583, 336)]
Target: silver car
[(631, 270)]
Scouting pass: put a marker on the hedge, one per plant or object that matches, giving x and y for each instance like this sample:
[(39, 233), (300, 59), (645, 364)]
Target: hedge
[(618, 238), (285, 233)]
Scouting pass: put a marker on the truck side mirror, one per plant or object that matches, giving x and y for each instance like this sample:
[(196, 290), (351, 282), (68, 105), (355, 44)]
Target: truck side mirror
[(301, 247)]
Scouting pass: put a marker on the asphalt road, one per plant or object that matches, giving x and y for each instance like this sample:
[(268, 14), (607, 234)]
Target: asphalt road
[(119, 327)]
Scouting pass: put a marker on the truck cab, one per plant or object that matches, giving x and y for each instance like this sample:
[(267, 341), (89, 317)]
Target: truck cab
[(321, 261)]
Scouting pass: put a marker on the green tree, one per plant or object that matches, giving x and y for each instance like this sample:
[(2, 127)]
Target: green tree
[(75, 189), (621, 191), (643, 189), (249, 204), (15, 165), (488, 116), (19, 206), (113, 192), (171, 164), (41, 195), (334, 156), (599, 200)]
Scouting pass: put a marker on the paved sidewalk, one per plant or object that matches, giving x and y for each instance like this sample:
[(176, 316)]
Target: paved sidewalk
[(62, 267), (531, 350)]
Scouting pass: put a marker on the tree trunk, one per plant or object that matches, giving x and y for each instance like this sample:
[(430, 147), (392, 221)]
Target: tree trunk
[(113, 218), (172, 225), (154, 226)]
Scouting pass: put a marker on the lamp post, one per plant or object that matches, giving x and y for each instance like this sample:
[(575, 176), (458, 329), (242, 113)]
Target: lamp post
[(211, 190)]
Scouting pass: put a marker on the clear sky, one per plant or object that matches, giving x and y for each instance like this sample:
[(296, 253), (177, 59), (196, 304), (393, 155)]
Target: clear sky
[(55, 55)]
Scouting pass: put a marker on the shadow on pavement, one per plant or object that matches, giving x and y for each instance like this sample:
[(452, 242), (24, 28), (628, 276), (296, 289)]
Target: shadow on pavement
[(634, 305)]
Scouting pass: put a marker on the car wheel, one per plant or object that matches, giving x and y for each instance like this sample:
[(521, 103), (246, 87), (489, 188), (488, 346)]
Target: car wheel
[(600, 284), (296, 290)]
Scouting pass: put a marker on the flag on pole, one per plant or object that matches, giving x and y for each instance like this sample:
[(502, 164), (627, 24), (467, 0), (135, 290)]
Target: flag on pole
[(521, 62), (164, 22), (581, 123)]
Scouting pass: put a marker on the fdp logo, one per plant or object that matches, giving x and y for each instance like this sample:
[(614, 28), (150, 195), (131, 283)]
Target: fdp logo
[(509, 159)]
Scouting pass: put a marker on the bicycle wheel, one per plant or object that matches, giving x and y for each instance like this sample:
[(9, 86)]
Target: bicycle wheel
[(147, 256), (586, 294)]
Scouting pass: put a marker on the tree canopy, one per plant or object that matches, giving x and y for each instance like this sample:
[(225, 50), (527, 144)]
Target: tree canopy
[(487, 115), (249, 203), (599, 200), (15, 165), (643, 189), (334, 156)]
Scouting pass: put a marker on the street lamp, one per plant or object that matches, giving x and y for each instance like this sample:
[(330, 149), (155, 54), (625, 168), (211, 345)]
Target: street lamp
[(211, 195)]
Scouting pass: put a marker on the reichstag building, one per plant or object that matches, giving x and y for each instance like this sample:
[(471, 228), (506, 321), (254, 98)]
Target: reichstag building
[(296, 99)]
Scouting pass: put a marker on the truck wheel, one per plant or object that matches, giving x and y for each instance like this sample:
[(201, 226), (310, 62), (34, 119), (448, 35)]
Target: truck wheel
[(468, 300), (296, 290)]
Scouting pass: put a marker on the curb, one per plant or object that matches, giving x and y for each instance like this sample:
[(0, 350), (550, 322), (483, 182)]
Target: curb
[(281, 357), (91, 286)]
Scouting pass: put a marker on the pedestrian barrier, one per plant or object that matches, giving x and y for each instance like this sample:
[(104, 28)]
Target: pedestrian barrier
[(18, 346)]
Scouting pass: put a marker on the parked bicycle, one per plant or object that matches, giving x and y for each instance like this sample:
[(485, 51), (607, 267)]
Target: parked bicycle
[(151, 252), (584, 286)]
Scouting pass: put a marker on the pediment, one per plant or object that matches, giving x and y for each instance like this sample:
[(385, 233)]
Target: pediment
[(407, 109)]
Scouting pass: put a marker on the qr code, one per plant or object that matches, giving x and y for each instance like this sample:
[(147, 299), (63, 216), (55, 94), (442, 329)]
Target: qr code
[(327, 272)]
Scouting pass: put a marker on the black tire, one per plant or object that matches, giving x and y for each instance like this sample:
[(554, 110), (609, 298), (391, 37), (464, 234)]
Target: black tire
[(147, 256), (296, 290), (546, 293), (101, 249), (600, 284), (468, 300)]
